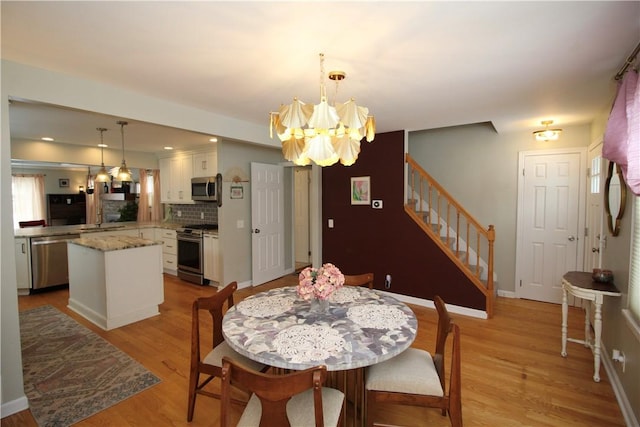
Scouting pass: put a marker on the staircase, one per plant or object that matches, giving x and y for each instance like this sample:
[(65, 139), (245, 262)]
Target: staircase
[(463, 239)]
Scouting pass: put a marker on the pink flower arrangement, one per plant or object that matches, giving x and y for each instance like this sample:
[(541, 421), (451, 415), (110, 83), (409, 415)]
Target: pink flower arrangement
[(320, 282)]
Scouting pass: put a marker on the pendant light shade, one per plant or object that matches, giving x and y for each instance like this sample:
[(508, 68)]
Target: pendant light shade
[(124, 174), (102, 175)]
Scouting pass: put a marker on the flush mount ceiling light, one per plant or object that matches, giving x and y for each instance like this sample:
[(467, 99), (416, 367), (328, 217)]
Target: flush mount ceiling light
[(547, 134), (124, 174), (102, 175), (323, 133)]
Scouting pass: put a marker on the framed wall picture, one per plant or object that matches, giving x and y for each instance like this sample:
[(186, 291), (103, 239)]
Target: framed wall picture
[(360, 190), (237, 191), (63, 182)]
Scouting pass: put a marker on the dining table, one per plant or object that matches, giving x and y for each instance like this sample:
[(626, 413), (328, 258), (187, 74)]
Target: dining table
[(359, 327)]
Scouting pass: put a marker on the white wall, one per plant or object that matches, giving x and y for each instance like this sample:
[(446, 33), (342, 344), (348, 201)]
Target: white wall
[(235, 242), (479, 167), (30, 83)]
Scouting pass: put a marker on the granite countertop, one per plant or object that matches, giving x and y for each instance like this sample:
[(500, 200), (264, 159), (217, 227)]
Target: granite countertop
[(113, 243), (63, 230)]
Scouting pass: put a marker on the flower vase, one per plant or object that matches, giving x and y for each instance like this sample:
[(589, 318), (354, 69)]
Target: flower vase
[(319, 305)]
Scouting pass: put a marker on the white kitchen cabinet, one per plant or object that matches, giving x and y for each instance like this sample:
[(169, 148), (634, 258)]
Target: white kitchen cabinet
[(23, 265), (211, 258), (175, 179), (169, 250), (205, 164)]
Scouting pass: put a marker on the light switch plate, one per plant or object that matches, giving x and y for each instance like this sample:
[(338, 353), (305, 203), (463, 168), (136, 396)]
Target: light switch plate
[(376, 204)]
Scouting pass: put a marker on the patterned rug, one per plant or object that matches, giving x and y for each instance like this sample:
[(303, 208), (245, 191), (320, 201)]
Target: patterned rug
[(71, 373)]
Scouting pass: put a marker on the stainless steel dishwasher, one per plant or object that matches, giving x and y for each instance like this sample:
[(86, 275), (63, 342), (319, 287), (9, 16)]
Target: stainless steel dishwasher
[(49, 260)]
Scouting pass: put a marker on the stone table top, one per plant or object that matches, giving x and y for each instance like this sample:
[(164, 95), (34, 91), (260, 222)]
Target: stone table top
[(113, 243), (361, 327)]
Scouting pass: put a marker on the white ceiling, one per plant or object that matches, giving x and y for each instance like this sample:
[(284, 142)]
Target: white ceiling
[(416, 65)]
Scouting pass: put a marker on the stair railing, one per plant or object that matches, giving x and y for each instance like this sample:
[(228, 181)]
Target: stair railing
[(465, 241)]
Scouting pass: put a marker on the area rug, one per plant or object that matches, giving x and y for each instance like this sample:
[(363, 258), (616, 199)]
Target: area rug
[(71, 373)]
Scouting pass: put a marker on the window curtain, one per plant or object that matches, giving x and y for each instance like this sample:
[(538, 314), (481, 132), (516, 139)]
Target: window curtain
[(149, 206), (156, 206), (28, 198), (622, 136), (144, 213)]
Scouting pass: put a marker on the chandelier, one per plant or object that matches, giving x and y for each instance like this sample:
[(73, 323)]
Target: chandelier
[(547, 134), (322, 133)]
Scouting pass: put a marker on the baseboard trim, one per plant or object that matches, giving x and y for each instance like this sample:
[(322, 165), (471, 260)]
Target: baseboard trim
[(506, 294), (624, 404), (465, 311), (15, 406)]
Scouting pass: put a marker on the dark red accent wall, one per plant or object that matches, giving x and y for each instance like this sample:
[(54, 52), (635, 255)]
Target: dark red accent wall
[(386, 241)]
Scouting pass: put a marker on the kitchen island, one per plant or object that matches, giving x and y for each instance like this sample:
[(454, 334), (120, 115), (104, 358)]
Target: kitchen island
[(115, 280)]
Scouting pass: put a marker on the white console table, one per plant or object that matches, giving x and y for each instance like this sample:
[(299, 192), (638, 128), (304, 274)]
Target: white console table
[(581, 285)]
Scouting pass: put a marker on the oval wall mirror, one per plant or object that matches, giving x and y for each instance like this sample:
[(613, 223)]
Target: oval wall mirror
[(615, 197)]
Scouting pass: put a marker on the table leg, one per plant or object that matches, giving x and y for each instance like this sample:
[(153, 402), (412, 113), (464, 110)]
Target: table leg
[(587, 329), (565, 312), (596, 345)]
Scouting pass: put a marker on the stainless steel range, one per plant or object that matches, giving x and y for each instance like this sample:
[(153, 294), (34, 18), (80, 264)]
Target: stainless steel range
[(191, 252)]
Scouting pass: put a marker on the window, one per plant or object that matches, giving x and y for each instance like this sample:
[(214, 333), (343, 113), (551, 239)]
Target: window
[(28, 198), (633, 313)]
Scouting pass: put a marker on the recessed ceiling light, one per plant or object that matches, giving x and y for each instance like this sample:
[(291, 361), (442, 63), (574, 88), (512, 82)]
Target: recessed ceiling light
[(213, 139), (168, 148), (47, 138), (103, 145)]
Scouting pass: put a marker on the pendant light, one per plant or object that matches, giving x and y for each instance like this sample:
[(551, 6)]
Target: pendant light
[(102, 175), (124, 174)]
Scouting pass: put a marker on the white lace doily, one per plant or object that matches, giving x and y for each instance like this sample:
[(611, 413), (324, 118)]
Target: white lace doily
[(377, 316), (308, 343), (265, 306), (344, 295)]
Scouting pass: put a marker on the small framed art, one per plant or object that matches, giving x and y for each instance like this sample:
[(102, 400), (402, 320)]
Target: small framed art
[(63, 182), (360, 190)]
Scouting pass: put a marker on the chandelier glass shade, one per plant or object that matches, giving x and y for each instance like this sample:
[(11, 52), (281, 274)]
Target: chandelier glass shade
[(124, 174), (547, 134), (322, 133), (102, 175)]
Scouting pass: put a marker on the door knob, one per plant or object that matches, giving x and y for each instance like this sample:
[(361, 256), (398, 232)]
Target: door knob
[(594, 250), (571, 238), (257, 230)]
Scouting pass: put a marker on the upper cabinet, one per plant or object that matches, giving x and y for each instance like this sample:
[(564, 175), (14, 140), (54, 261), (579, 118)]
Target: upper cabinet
[(205, 164), (175, 179), (176, 173)]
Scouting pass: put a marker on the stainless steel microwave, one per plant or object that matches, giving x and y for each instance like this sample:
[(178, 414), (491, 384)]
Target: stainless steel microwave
[(204, 189)]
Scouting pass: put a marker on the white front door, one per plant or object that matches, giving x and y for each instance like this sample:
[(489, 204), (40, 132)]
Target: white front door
[(267, 222), (550, 218), (595, 211)]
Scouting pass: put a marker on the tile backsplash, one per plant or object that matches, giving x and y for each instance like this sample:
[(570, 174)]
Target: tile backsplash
[(192, 214), (182, 214)]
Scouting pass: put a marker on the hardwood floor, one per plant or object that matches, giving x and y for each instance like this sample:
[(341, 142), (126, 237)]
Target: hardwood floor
[(512, 371)]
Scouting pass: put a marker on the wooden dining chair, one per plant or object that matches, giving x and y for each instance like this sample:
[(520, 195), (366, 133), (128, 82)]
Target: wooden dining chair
[(211, 364), (417, 378), (365, 279), (294, 399)]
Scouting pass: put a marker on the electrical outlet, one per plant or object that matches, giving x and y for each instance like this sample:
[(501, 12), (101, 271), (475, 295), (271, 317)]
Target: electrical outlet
[(179, 213), (618, 356), (201, 215), (387, 281)]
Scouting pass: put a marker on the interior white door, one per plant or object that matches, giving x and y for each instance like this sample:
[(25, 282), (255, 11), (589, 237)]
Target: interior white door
[(549, 220), (267, 222), (301, 215), (595, 238)]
